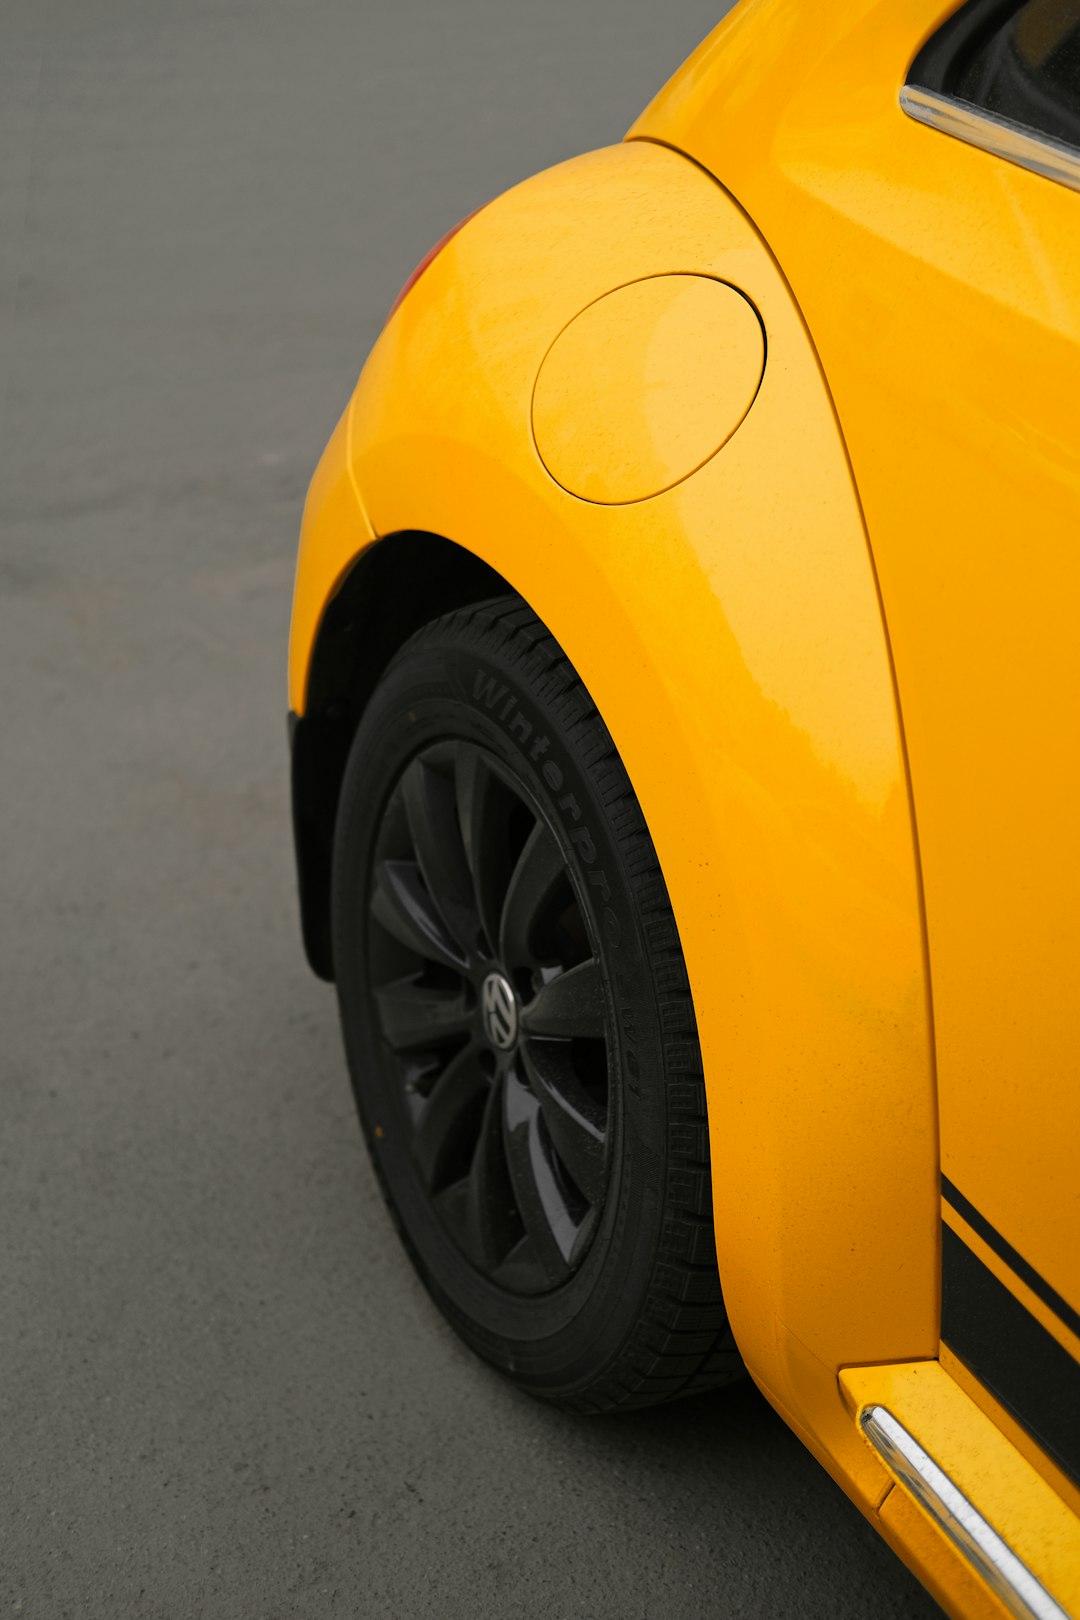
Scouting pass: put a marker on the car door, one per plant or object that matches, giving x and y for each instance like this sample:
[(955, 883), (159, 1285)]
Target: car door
[(995, 722), (930, 229)]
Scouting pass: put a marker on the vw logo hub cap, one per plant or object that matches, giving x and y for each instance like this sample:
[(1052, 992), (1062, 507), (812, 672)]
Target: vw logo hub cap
[(499, 1008)]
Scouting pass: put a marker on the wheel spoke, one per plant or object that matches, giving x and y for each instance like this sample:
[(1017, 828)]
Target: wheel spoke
[(441, 1138), (570, 1004), (539, 1196), (415, 1016), (484, 804), (575, 1123), (403, 906), (536, 880), (491, 1222), (429, 807)]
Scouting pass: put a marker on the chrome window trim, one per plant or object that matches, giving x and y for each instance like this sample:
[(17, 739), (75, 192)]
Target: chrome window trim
[(1007, 1577), (1014, 142)]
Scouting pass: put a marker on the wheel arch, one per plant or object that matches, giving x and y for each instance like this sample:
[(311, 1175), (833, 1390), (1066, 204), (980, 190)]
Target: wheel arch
[(393, 587)]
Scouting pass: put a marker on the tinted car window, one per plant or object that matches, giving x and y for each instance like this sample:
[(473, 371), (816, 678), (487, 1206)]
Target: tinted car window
[(1020, 62)]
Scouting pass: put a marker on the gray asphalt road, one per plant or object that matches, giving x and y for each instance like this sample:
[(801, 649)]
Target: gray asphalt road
[(222, 1392)]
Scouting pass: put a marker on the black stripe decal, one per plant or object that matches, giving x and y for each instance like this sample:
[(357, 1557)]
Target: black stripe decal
[(1005, 1251), (1011, 1353)]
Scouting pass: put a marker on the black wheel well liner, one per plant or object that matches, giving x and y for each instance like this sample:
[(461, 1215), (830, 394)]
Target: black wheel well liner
[(396, 585)]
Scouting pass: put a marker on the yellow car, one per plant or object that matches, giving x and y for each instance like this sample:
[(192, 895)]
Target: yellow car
[(685, 690)]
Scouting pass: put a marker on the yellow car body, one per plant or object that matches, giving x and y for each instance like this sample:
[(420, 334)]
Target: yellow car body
[(826, 607)]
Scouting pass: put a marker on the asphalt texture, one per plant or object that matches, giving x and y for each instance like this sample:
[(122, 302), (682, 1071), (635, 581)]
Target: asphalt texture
[(222, 1391)]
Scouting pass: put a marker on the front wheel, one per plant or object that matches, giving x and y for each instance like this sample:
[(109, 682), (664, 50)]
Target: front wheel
[(518, 1022)]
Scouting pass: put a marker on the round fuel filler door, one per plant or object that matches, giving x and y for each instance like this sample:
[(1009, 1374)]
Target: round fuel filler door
[(645, 385)]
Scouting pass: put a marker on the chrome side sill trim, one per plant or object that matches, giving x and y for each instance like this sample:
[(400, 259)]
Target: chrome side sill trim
[(1039, 153), (1011, 1581)]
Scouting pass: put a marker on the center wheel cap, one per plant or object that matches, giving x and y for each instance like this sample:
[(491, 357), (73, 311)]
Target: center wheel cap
[(499, 1010)]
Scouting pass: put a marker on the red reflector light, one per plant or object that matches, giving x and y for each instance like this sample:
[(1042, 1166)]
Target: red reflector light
[(430, 257)]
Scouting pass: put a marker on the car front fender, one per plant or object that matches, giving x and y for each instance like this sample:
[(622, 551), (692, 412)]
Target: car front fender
[(730, 632)]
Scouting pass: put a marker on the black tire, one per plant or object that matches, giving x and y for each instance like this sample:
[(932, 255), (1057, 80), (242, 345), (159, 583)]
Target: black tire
[(555, 1197)]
